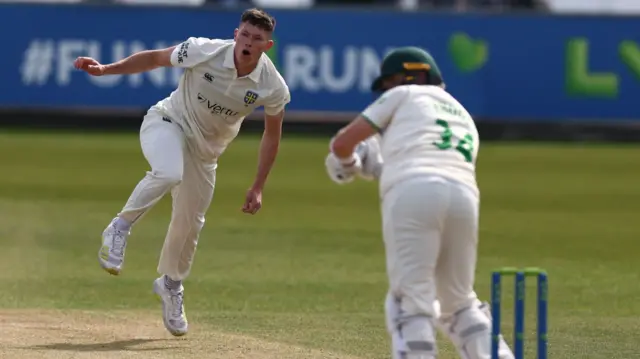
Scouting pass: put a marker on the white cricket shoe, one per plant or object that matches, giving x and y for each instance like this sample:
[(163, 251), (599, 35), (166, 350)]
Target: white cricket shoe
[(111, 254), (173, 316)]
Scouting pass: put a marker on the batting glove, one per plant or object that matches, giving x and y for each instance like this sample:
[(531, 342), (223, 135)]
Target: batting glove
[(369, 152), (342, 172)]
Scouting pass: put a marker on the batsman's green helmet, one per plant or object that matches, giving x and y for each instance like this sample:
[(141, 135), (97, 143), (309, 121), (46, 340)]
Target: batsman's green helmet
[(405, 59)]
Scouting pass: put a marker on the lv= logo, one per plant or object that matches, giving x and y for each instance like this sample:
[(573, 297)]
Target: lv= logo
[(581, 82)]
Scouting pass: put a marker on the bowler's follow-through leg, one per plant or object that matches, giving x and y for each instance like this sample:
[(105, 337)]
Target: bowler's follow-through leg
[(191, 199)]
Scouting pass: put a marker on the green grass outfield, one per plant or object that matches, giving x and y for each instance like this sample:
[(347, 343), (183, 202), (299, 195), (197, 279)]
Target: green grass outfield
[(304, 278)]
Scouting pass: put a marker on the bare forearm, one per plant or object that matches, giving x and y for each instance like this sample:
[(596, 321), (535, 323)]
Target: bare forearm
[(341, 149), (139, 62), (268, 152)]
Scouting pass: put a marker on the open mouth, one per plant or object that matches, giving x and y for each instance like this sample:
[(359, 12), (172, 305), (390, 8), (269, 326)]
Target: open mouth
[(246, 52)]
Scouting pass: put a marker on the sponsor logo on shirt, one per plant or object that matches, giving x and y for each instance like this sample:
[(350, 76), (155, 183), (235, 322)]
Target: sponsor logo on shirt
[(207, 76), (216, 109), (182, 52)]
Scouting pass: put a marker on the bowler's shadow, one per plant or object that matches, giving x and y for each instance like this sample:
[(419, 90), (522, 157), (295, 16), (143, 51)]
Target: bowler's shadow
[(118, 345)]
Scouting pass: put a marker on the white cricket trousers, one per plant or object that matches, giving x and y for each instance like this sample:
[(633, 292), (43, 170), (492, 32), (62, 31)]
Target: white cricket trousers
[(174, 168), (430, 229)]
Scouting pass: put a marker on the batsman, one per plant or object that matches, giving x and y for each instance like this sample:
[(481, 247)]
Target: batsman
[(422, 146)]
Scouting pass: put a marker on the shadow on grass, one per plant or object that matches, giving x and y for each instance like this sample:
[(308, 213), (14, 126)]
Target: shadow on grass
[(118, 345)]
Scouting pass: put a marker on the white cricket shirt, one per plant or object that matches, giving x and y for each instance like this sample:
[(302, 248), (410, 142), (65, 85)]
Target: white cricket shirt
[(424, 130), (211, 101)]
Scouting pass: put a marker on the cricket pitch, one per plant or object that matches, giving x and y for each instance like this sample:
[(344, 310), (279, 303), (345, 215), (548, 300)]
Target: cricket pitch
[(39, 334)]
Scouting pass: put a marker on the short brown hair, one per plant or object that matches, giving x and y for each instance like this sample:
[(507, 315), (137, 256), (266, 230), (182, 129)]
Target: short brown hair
[(259, 18)]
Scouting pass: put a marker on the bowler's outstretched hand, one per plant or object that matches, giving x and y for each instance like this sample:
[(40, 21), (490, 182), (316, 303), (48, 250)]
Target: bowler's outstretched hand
[(89, 65)]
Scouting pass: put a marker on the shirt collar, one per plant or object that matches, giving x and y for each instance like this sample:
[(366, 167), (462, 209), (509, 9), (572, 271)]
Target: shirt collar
[(230, 64)]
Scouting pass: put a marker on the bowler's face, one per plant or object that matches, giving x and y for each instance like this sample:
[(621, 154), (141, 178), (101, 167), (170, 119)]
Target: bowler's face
[(251, 42)]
